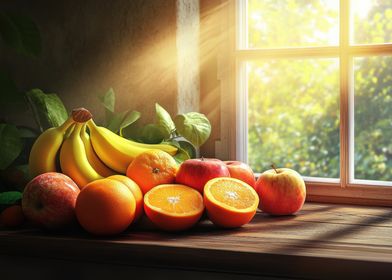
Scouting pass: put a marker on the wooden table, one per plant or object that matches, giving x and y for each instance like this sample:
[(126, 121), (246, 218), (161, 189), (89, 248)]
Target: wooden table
[(323, 241)]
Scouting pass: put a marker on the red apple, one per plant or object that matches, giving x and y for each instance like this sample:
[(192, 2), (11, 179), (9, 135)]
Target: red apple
[(241, 171), (282, 191), (49, 200), (195, 173)]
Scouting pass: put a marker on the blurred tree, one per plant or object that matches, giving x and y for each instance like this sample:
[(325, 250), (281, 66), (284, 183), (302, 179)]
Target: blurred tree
[(294, 103), (373, 96)]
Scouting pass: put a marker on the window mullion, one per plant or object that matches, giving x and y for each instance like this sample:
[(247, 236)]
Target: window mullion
[(303, 52), (344, 92), (242, 26), (374, 49)]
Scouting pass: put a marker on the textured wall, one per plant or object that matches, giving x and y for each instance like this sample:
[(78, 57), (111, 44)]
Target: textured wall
[(188, 23), (92, 45), (211, 16)]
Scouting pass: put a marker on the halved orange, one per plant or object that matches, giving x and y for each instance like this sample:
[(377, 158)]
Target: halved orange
[(173, 207), (230, 202), (136, 191)]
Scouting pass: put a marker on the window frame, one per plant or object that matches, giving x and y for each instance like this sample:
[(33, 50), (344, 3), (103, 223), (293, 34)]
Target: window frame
[(233, 140)]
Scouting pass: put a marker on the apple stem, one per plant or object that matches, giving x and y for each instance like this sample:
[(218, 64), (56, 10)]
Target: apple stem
[(274, 167)]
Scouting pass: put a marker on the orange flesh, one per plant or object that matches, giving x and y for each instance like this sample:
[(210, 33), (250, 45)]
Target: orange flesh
[(175, 199), (232, 193)]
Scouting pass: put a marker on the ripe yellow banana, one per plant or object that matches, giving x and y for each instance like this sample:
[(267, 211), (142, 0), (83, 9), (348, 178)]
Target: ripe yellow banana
[(73, 159), (92, 157), (172, 150), (118, 152), (44, 151)]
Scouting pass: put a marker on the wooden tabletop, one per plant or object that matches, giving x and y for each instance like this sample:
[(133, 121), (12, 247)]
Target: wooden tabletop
[(321, 241)]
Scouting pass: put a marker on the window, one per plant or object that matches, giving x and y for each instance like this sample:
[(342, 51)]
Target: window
[(313, 92)]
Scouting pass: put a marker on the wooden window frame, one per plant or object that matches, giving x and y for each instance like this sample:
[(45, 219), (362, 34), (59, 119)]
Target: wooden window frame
[(232, 143)]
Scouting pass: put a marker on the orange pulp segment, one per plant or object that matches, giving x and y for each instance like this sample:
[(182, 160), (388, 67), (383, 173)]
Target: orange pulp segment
[(230, 202), (173, 207)]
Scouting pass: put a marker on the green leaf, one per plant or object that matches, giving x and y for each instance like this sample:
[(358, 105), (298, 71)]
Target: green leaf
[(10, 198), (194, 126), (26, 132), (108, 100), (164, 120), (11, 145), (113, 123), (188, 147), (112, 120), (119, 121), (181, 156), (11, 99), (133, 132), (130, 118), (152, 134), (21, 34), (48, 109)]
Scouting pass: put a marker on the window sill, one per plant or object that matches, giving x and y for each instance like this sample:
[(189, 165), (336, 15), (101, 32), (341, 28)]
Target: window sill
[(351, 194), (322, 241)]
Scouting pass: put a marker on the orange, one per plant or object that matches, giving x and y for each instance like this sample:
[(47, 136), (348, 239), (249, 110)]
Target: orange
[(12, 216), (173, 207), (230, 202), (134, 188), (152, 168), (105, 207)]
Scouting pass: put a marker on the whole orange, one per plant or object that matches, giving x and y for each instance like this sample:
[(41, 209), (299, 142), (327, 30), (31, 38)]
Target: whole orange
[(136, 191), (12, 216), (152, 168), (105, 207)]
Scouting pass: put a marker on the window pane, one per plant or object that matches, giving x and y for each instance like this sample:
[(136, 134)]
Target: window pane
[(373, 118), (293, 115), (292, 23), (372, 21)]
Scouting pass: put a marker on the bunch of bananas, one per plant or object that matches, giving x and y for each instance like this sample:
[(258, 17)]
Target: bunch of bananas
[(84, 156)]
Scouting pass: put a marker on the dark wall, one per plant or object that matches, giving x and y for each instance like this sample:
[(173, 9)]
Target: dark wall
[(92, 45)]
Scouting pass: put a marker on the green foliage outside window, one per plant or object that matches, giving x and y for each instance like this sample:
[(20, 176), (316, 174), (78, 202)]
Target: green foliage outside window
[(294, 103)]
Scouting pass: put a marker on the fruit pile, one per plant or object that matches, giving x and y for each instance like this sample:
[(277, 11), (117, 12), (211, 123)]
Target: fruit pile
[(85, 157), (87, 174)]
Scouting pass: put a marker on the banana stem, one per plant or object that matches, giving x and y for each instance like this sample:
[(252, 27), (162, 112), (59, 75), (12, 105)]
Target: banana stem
[(77, 129), (83, 132), (91, 124), (64, 127), (69, 131), (81, 115)]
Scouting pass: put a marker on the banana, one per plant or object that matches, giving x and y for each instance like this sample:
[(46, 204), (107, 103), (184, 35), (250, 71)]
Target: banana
[(163, 147), (43, 154), (118, 152), (92, 157), (73, 159)]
